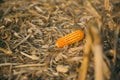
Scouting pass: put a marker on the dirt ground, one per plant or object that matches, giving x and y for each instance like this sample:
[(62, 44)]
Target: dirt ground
[(29, 30)]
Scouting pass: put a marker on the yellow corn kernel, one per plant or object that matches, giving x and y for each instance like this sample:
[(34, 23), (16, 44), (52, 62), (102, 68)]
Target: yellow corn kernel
[(70, 38)]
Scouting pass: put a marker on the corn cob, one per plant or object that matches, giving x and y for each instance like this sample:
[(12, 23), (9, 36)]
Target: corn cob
[(70, 38)]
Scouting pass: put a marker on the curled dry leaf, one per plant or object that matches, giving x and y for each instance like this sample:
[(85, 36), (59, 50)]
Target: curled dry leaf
[(62, 68), (75, 49), (60, 56), (6, 35), (45, 46)]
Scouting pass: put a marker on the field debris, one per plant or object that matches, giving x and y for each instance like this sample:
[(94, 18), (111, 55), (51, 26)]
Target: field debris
[(29, 30)]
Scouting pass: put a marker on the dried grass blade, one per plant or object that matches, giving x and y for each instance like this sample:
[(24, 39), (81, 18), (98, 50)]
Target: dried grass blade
[(29, 65), (97, 51), (84, 67), (22, 41)]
